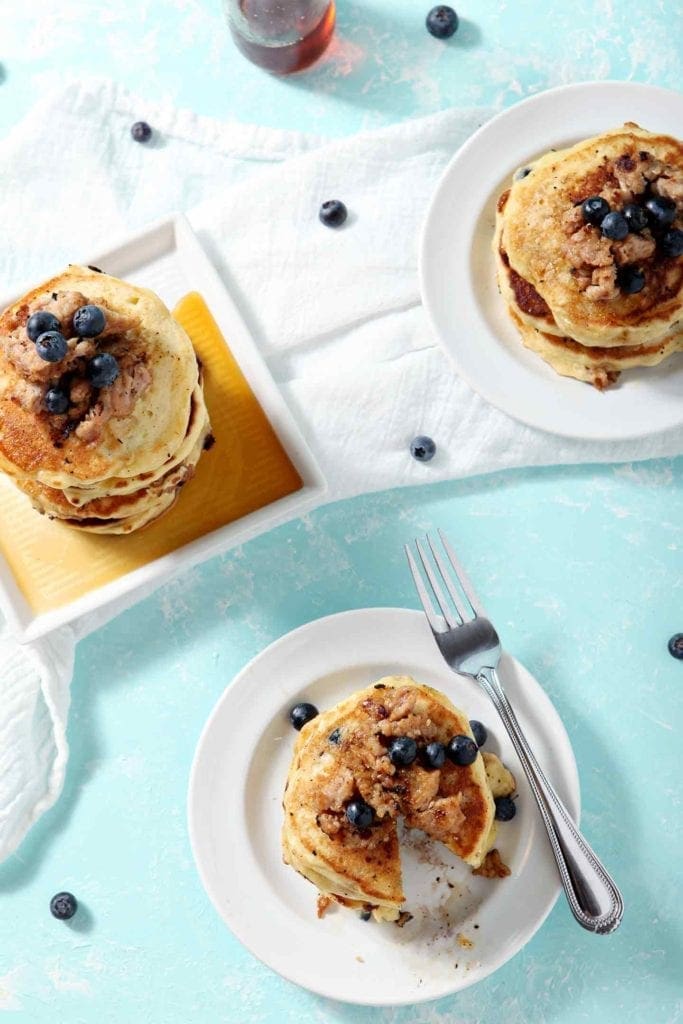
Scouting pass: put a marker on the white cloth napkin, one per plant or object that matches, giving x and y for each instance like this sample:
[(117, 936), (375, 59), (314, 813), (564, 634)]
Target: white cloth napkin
[(335, 313)]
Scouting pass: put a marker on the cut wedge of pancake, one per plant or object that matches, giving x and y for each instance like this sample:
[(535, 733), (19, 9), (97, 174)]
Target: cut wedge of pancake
[(342, 755)]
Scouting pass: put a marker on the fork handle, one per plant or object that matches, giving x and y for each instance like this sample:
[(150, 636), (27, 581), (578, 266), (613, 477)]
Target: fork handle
[(593, 897)]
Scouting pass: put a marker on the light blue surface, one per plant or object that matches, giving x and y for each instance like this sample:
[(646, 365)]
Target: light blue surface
[(580, 568)]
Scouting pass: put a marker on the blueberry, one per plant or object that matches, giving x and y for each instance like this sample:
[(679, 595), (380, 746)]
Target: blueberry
[(402, 751), (56, 401), (614, 226), (636, 217), (102, 370), (89, 321), (521, 173), (333, 213), (661, 211), (302, 713), (41, 322), (630, 280), (365, 915), (479, 732), (442, 21), (51, 346), (434, 755), (676, 645), (422, 448), (594, 210), (359, 814), (334, 736), (462, 750), (505, 808), (141, 131), (671, 243), (63, 906)]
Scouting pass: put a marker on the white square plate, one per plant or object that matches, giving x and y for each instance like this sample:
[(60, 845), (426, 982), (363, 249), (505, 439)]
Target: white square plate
[(168, 259)]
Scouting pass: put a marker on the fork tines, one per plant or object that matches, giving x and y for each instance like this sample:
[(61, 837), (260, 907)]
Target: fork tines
[(443, 568)]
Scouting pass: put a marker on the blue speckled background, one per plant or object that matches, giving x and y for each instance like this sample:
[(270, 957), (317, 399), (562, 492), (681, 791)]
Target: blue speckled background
[(581, 569)]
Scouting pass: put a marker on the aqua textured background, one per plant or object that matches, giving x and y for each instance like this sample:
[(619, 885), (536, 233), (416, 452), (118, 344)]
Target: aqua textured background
[(581, 569)]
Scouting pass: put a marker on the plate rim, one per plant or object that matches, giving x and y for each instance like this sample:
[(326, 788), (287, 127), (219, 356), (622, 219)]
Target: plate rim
[(491, 126), (572, 781)]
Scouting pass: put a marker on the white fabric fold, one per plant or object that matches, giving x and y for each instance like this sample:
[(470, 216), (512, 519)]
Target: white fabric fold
[(33, 715), (336, 314)]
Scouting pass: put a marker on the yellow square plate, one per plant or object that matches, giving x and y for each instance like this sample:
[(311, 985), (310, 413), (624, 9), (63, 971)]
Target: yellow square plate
[(259, 472)]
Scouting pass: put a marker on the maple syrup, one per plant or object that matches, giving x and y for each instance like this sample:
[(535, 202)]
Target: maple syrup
[(282, 36)]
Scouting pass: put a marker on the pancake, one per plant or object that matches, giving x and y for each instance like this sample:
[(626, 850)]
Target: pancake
[(118, 513), (341, 755), (517, 292), (78, 496), (115, 459), (117, 504), (570, 265), (145, 339), (599, 366)]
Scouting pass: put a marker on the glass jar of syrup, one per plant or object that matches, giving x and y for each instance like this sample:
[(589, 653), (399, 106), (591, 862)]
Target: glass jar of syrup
[(281, 36)]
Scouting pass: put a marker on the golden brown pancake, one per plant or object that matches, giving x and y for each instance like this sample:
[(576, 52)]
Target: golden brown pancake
[(44, 447), (119, 454), (342, 755), (570, 265), (539, 332)]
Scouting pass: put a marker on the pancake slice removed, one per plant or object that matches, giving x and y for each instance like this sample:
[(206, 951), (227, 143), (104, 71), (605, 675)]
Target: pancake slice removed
[(342, 756)]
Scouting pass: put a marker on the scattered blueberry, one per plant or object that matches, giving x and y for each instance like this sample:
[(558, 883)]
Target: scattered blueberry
[(402, 751), (636, 217), (676, 645), (442, 21), (505, 808), (41, 322), (520, 173), (334, 736), (63, 906), (333, 213), (422, 448), (141, 131), (661, 211), (302, 713), (594, 210), (102, 370), (56, 401), (434, 755), (365, 915), (462, 750), (630, 280), (51, 346), (614, 226), (359, 814), (89, 321), (671, 243), (479, 732)]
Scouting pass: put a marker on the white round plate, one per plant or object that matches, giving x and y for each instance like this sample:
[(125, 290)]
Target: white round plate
[(458, 278), (235, 816)]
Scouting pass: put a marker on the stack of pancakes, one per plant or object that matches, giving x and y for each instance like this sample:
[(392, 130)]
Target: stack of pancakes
[(116, 458), (341, 755), (560, 278)]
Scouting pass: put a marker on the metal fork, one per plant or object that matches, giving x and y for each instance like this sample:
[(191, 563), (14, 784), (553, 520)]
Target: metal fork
[(470, 645)]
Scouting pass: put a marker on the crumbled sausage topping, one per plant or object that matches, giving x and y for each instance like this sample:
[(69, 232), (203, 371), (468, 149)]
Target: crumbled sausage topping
[(594, 259), (90, 408)]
